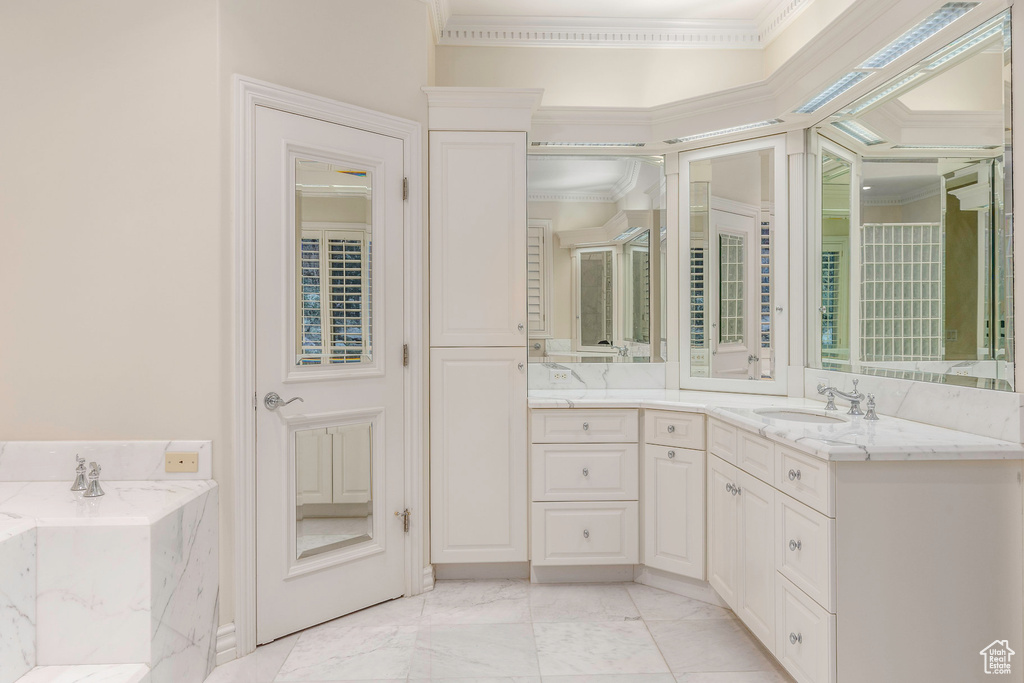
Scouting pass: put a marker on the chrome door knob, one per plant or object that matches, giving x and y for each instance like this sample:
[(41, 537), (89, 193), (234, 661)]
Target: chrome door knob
[(671, 454), (586, 426), (794, 475), (586, 472), (521, 327), (671, 429), (795, 638), (273, 401), (521, 366), (586, 533), (795, 545)]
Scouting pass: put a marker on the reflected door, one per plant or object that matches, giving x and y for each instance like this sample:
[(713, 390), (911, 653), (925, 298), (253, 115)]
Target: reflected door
[(329, 325), (734, 276)]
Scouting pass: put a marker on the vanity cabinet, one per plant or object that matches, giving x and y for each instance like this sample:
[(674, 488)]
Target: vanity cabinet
[(673, 500), (584, 487)]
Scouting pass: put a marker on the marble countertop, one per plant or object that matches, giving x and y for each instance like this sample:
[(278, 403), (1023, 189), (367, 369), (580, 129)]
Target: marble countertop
[(853, 439), (51, 503)]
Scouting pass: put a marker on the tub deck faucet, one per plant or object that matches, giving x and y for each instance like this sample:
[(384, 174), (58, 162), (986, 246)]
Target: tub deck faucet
[(94, 490), (854, 397), (79, 484)]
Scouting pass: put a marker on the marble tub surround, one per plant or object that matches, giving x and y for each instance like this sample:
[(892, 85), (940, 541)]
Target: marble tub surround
[(121, 460), (995, 414), (17, 597), (853, 439), (597, 376), (129, 578)]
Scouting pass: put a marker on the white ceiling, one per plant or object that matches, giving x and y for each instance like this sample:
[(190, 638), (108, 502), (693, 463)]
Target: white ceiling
[(740, 24)]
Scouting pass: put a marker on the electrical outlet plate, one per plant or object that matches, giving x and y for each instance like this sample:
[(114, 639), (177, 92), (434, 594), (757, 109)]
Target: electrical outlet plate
[(187, 461), (560, 376)]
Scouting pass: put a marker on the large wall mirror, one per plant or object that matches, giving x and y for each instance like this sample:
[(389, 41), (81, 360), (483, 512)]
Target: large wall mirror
[(913, 262), (733, 233), (597, 259)]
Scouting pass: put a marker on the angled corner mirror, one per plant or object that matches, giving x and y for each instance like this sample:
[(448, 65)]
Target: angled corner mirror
[(597, 259), (914, 262)]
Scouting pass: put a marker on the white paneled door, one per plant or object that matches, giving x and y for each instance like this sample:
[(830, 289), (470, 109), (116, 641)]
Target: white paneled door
[(329, 372)]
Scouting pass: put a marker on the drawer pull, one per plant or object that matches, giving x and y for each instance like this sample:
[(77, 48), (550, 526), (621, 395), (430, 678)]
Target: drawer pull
[(671, 429), (586, 533), (795, 638), (795, 545), (586, 472), (794, 475), (671, 454), (586, 426)]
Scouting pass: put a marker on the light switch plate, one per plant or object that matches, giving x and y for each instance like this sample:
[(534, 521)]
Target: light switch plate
[(186, 461)]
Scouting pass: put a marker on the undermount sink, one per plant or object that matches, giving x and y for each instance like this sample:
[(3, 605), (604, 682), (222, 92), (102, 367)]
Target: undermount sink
[(793, 415)]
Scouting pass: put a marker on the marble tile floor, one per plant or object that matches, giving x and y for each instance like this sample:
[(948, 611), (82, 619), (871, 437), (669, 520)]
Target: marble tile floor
[(517, 632)]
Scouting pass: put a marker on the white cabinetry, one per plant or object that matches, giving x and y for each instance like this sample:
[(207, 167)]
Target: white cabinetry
[(585, 487), (477, 238), (674, 493), (478, 455)]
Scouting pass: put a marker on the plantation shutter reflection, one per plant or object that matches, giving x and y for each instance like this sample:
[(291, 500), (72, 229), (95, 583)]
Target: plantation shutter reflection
[(536, 310)]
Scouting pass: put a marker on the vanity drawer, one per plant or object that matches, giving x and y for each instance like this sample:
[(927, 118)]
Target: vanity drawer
[(805, 635), (585, 533), (756, 456), (567, 425), (584, 472), (668, 428), (723, 440), (806, 478), (804, 549)]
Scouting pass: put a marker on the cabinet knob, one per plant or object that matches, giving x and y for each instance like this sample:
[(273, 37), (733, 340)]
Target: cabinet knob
[(586, 426), (586, 472), (521, 366), (795, 638), (728, 487), (521, 327), (586, 533), (671, 454), (795, 545), (794, 475), (671, 429)]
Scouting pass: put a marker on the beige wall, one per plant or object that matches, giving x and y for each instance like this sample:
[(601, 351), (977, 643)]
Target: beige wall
[(117, 299), (600, 77)]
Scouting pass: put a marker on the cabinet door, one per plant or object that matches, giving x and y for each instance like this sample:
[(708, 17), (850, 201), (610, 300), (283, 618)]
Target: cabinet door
[(674, 510), (478, 449), (477, 239), (723, 529), (756, 576)]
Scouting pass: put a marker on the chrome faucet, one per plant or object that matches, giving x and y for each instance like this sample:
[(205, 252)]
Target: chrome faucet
[(94, 490), (871, 415), (623, 351), (854, 398), (79, 484)]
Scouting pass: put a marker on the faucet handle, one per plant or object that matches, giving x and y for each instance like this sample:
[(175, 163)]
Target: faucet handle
[(94, 470), (871, 415), (81, 464)]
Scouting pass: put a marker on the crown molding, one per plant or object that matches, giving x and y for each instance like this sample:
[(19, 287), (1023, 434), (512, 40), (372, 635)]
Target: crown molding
[(469, 30), (620, 189), (900, 200)]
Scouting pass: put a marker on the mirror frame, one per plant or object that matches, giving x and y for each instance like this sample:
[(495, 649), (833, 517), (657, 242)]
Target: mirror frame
[(779, 385)]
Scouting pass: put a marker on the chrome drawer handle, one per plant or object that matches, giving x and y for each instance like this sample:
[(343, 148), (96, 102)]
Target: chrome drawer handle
[(795, 638), (795, 545), (521, 327), (671, 454), (794, 475), (586, 472), (586, 426), (586, 533), (671, 429)]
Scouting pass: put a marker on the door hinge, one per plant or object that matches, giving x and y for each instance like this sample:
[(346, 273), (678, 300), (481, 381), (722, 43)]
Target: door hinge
[(254, 400), (404, 514), (405, 188), (405, 355)]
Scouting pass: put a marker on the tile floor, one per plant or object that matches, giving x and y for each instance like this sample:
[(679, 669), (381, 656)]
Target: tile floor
[(517, 632)]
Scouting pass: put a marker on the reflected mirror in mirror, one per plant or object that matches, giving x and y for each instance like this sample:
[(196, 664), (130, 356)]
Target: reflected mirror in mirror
[(597, 259), (333, 484), (334, 293), (732, 225), (916, 270)]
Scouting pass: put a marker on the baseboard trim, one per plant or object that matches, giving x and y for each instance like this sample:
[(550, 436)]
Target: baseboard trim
[(428, 578), (582, 574), (680, 585), (227, 644), (483, 570)]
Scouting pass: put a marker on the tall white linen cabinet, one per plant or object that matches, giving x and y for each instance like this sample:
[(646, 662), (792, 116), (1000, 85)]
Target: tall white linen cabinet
[(478, 327)]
